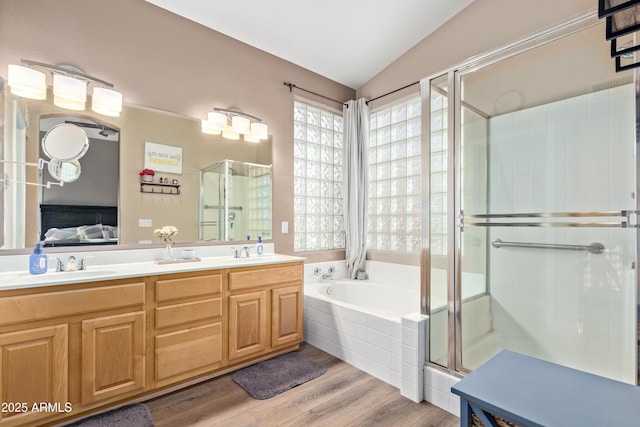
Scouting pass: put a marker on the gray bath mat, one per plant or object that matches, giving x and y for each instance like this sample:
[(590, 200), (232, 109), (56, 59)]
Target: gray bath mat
[(128, 416), (271, 377)]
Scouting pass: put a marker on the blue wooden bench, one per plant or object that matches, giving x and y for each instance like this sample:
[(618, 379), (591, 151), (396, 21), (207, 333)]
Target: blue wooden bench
[(532, 392)]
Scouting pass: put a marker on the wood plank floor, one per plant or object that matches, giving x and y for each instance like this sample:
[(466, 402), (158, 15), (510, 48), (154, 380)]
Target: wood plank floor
[(343, 396)]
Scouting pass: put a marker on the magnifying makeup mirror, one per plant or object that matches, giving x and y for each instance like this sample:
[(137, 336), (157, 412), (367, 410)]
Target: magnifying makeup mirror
[(65, 171), (65, 142)]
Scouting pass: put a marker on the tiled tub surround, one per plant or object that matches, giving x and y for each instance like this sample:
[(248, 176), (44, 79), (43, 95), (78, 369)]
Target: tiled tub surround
[(388, 344)]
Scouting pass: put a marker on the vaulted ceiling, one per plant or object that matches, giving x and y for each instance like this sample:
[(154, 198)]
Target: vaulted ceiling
[(348, 41)]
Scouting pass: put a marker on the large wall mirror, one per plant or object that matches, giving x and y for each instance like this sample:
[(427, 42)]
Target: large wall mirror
[(102, 188)]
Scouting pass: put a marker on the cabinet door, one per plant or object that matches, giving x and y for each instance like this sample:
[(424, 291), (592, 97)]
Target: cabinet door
[(247, 324), (286, 310), (33, 369), (113, 353)]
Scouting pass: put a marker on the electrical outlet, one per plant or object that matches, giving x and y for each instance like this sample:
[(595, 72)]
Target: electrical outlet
[(285, 227), (144, 223)]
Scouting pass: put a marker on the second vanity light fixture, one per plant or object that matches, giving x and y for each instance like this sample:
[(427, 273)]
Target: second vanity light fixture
[(69, 87), (232, 123)]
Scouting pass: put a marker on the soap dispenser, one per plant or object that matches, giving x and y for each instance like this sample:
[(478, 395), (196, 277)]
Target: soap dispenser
[(38, 260), (259, 247)]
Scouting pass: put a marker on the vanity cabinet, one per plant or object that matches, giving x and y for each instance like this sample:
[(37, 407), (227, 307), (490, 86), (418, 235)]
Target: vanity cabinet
[(67, 347), (84, 347), (265, 309)]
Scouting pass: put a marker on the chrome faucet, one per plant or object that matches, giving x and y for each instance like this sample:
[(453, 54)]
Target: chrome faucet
[(241, 253), (72, 264)]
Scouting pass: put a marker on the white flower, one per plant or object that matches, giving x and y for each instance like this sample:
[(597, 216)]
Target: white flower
[(166, 233)]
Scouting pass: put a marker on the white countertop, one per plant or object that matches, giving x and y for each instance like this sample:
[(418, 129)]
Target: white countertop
[(136, 268)]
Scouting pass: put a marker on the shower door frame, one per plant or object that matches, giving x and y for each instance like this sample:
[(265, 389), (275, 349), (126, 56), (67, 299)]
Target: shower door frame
[(454, 193)]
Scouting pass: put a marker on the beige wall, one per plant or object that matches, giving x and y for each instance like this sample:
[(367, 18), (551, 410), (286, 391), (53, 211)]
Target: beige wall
[(160, 60), (483, 26)]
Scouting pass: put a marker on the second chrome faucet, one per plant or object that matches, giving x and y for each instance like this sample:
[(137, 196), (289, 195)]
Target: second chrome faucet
[(242, 252)]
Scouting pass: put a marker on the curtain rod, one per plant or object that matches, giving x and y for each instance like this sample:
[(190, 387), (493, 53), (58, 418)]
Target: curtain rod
[(292, 86), (393, 91)]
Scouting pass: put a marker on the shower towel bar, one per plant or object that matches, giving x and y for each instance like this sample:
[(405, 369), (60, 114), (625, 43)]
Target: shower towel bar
[(622, 213), (594, 248), (621, 224), (231, 208)]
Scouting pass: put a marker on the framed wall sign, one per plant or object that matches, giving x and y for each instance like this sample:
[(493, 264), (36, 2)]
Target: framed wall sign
[(163, 158)]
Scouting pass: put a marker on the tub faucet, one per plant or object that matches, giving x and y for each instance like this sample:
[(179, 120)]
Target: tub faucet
[(329, 275)]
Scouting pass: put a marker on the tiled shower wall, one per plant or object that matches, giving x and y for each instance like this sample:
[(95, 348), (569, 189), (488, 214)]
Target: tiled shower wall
[(572, 308)]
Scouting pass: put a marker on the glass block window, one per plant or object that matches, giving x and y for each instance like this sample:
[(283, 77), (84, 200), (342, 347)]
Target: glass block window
[(259, 206), (439, 162), (318, 205), (395, 182)]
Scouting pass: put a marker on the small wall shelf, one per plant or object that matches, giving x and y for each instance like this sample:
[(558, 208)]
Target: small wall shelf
[(157, 188)]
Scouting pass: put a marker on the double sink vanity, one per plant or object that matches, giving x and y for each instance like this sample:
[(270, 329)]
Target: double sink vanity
[(126, 328)]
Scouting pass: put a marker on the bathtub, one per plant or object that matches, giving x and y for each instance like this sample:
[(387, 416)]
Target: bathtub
[(371, 325), (374, 298)]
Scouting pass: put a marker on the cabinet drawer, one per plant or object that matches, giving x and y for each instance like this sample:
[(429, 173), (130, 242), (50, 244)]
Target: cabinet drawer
[(186, 312), (265, 277), (183, 351), (47, 305), (172, 289)]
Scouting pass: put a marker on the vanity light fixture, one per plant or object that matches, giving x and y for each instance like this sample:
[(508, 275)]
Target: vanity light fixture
[(106, 101), (229, 133), (69, 87), (69, 92), (27, 82), (232, 123)]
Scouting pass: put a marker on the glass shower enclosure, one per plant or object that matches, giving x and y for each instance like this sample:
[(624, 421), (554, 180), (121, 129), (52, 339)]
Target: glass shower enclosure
[(533, 237), (235, 201)]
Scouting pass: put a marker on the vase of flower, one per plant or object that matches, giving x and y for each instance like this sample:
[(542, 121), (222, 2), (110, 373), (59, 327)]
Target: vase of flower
[(167, 233)]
